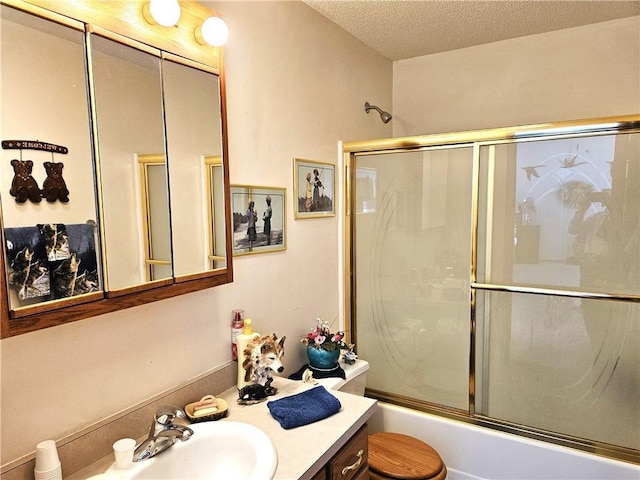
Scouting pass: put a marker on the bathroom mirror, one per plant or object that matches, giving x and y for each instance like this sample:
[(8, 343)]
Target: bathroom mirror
[(51, 255), (128, 93), (193, 133), (148, 191)]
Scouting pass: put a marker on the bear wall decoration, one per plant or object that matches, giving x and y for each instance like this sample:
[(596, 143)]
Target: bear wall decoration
[(24, 187), (54, 187)]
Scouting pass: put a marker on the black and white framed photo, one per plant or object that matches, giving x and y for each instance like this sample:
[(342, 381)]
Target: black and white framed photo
[(314, 185), (259, 219)]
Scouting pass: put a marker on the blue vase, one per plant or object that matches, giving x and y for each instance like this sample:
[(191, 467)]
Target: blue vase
[(323, 359)]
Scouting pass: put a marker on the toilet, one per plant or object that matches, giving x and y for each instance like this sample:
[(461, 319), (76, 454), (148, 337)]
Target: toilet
[(354, 381), (391, 455), (398, 456)]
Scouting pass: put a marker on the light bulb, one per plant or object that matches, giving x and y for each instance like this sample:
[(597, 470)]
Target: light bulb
[(214, 31), (165, 12)]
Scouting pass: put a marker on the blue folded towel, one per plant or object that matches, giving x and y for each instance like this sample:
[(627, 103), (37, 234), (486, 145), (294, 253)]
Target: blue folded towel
[(304, 408)]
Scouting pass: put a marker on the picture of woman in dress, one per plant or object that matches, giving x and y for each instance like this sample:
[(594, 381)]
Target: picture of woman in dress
[(317, 185), (252, 216), (266, 217), (314, 188), (258, 230), (309, 194)]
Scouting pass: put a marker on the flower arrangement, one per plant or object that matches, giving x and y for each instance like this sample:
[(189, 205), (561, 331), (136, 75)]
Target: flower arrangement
[(321, 338)]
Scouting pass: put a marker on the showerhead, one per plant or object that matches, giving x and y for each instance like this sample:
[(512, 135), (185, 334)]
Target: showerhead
[(384, 116)]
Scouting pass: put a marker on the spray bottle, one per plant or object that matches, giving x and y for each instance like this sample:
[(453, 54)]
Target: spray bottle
[(237, 327), (242, 341)]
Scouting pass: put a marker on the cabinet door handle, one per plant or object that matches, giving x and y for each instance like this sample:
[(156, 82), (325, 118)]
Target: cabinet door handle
[(355, 465)]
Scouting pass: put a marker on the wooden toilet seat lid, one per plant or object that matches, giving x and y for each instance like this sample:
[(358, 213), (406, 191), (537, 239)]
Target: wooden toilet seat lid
[(403, 457)]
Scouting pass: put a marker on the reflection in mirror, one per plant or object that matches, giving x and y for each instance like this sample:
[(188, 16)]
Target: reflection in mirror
[(50, 240), (155, 216), (129, 120), (572, 218), (192, 107), (99, 97), (366, 190), (215, 205)]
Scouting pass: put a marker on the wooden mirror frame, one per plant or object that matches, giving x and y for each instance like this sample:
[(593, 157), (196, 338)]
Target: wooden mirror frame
[(126, 19)]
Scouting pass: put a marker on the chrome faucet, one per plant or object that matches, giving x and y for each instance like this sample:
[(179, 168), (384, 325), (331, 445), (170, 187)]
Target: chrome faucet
[(163, 433)]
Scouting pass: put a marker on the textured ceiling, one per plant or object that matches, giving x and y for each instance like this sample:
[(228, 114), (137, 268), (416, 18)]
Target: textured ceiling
[(400, 29)]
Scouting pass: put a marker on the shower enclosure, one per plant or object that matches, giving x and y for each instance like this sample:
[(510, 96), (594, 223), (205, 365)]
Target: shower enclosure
[(494, 277)]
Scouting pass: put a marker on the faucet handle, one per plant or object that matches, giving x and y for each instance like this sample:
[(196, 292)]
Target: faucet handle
[(177, 432), (167, 414)]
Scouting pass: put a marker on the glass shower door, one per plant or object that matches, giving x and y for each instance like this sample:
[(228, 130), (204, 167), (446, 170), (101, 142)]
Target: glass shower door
[(495, 278), (558, 225), (412, 235)]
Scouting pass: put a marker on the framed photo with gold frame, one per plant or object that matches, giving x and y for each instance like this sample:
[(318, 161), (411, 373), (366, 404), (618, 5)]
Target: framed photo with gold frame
[(259, 219), (314, 185)]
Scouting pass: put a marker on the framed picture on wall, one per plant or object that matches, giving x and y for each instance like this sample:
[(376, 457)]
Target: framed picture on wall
[(258, 218), (313, 188)]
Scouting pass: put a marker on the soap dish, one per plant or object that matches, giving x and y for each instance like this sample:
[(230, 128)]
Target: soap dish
[(208, 408)]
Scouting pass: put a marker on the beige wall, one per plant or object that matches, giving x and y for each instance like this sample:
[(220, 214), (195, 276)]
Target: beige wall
[(44, 115), (296, 85), (584, 72)]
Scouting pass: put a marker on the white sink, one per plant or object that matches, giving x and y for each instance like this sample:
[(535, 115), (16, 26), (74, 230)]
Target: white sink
[(216, 450)]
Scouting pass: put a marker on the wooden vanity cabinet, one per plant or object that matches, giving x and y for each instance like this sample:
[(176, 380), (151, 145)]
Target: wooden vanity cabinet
[(351, 462)]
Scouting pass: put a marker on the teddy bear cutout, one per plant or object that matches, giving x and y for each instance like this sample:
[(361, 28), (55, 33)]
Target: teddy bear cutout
[(24, 187), (54, 187)]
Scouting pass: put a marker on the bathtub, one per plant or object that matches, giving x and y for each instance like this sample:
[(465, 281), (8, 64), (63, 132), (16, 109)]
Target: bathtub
[(474, 453)]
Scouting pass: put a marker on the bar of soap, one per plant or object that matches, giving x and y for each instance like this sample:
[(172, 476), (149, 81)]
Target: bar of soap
[(201, 412), (206, 403)]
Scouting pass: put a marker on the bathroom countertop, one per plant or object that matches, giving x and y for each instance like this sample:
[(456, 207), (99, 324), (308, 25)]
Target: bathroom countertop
[(302, 451)]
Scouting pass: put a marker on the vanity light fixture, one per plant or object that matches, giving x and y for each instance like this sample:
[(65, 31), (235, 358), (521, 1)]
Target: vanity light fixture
[(214, 32), (162, 12)]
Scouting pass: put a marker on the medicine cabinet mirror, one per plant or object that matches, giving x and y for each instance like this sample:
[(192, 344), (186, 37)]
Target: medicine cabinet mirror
[(102, 94), (193, 134), (127, 85)]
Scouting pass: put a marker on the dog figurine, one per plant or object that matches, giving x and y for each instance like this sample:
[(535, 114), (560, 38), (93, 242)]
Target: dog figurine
[(262, 356)]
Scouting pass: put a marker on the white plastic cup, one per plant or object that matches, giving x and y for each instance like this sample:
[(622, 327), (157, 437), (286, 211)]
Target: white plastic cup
[(123, 450), (53, 474), (48, 465)]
